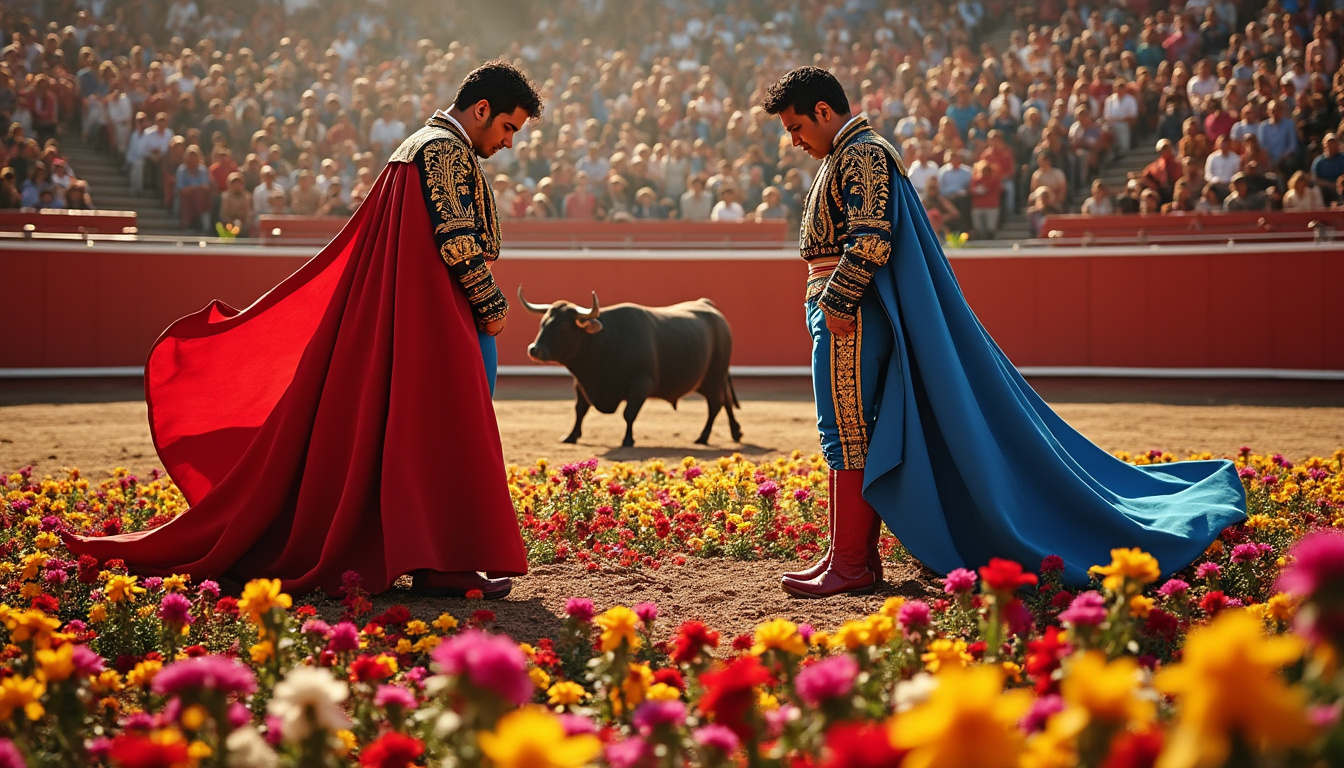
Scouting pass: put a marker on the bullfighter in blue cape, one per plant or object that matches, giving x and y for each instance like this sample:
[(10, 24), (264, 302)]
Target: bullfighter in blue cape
[(925, 424)]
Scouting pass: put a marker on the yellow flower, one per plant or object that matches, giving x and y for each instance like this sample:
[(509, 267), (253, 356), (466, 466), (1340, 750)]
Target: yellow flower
[(779, 635), (56, 665), (34, 626), (259, 597), (445, 622), (98, 614), (820, 639), (944, 653), (662, 692), (23, 693), (1281, 607), (193, 717), (1106, 692), (416, 628), (404, 646), (144, 673), (565, 693), (1129, 571), (107, 681), (968, 720), (175, 583), (619, 625), (199, 750), (636, 685), (852, 635), (122, 588), (262, 652), (532, 737), (347, 742), (427, 643), (1228, 685), (767, 702), (881, 628), (892, 606), (539, 678), (1141, 605), (46, 540)]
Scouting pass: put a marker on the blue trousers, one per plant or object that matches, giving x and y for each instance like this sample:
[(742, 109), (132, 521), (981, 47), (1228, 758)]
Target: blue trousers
[(847, 377), (490, 356)]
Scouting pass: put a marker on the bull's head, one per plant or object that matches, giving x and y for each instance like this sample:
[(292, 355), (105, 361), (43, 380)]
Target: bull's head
[(564, 326)]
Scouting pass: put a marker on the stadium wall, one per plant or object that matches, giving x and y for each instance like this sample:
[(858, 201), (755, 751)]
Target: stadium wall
[(94, 308)]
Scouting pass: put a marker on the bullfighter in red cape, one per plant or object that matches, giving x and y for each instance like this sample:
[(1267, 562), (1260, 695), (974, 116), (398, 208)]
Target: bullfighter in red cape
[(344, 421)]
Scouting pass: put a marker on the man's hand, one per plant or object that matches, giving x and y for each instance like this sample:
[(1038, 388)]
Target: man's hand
[(494, 328), (839, 326)]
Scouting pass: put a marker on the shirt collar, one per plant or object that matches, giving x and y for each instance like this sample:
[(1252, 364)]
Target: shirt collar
[(442, 115), (849, 130)]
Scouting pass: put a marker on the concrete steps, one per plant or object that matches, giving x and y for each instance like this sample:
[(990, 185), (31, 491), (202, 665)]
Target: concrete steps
[(110, 189)]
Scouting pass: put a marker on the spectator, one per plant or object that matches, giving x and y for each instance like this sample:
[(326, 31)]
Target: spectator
[(1160, 175), (728, 208), (1120, 114), (1278, 136), (1128, 203), (921, 170), (30, 194), (1047, 175), (772, 206), (1329, 167), (195, 192), (954, 181), (580, 203), (387, 132), (332, 203), (1150, 203), (152, 149), (235, 205), (647, 205), (614, 204), (261, 195), (943, 215), (1101, 203), (1210, 200), (697, 204), (1242, 198), (1302, 195), (1222, 164), (9, 193), (986, 198), (1041, 204), (304, 199)]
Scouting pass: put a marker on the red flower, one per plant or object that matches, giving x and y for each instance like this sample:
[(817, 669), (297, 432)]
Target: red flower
[(482, 617), (88, 569), (1134, 750), (227, 606), (743, 642), (392, 750), (47, 603), (395, 616), (1161, 624), (1043, 658), (368, 668), (860, 745), (129, 751), (691, 638), (475, 594), (305, 612), (1005, 575), (1213, 602), (670, 676), (730, 694)]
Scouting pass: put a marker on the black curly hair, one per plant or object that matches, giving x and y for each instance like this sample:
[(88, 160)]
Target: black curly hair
[(503, 86), (803, 89)]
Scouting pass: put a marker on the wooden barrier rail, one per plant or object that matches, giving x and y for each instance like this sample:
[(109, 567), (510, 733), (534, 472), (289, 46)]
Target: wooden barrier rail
[(648, 233), (1276, 307), (69, 222), (1189, 228)]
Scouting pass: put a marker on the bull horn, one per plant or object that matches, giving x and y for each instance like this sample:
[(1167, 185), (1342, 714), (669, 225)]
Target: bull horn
[(539, 309), (596, 310)]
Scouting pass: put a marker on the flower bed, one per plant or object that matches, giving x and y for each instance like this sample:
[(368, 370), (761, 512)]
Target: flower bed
[(1236, 659)]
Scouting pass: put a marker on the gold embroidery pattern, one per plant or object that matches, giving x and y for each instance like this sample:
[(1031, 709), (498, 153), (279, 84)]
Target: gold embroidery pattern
[(817, 235), (865, 176), (459, 249), (874, 249), (448, 172), (847, 395)]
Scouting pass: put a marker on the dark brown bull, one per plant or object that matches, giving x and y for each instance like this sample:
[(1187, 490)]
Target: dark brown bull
[(633, 353)]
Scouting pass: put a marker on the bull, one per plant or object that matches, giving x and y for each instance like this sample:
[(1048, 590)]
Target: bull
[(631, 353)]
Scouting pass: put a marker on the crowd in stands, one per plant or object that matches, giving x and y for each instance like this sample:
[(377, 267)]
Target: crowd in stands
[(234, 109)]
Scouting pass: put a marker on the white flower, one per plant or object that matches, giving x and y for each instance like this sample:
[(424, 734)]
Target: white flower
[(247, 749), (309, 699), (915, 691)]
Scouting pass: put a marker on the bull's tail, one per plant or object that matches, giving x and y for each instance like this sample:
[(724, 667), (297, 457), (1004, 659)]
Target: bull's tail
[(732, 393)]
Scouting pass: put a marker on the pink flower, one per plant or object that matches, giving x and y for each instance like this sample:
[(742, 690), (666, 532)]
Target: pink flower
[(1245, 553), (344, 638), (1052, 564), (652, 714), (959, 582), (1087, 610), (1174, 588), (1317, 562), (913, 615), (488, 662), (580, 609), (205, 673), (1019, 618), (1041, 711), (208, 590), (647, 612), (768, 489), (1208, 571), (86, 661), (394, 696), (316, 627), (175, 609), (631, 753), (577, 725), (827, 679), (717, 737), (10, 756)]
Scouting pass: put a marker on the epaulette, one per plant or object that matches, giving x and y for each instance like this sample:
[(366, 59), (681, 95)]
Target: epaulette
[(435, 129)]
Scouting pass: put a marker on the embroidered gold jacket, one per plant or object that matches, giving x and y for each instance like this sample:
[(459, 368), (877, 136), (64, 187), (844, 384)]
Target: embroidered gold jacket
[(461, 209), (847, 217)]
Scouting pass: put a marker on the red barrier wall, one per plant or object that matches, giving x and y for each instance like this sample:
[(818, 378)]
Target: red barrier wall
[(1274, 307)]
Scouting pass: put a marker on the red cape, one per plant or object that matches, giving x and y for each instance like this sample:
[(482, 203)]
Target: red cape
[(342, 422)]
